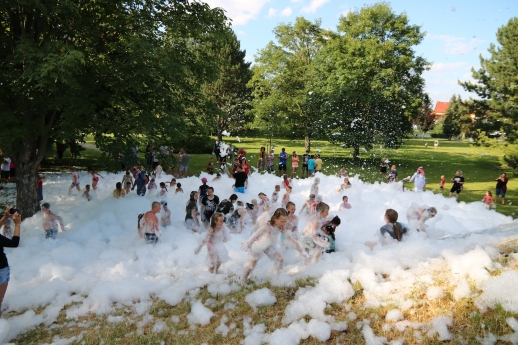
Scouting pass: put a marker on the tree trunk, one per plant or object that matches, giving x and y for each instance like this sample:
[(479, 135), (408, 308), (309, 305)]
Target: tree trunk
[(356, 154), (307, 143), (220, 135)]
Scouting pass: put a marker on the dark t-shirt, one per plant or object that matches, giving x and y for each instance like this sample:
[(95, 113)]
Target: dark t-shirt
[(191, 204), (185, 159), (203, 191), (210, 205), (282, 158), (225, 206), (7, 243), (240, 179), (305, 159), (501, 184), (456, 180)]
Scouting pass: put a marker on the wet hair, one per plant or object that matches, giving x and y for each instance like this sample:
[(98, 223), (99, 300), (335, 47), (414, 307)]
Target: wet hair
[(87, 186), (331, 230), (317, 180), (211, 188), (173, 179), (312, 196), (127, 172), (336, 220), (433, 210), (280, 212), (289, 187), (392, 217), (261, 194), (322, 206), (162, 184), (152, 179), (191, 196), (290, 203), (218, 175), (285, 176), (240, 203), (118, 186), (319, 198), (233, 197), (215, 217), (277, 186), (178, 185), (344, 197)]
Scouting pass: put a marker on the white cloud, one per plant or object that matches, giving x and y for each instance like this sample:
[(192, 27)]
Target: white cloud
[(449, 66), (442, 80), (286, 12), (240, 11), (272, 12), (458, 45), (314, 5), (241, 32), (345, 12)]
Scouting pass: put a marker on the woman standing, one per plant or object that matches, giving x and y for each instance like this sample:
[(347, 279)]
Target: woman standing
[(501, 187), (7, 243)]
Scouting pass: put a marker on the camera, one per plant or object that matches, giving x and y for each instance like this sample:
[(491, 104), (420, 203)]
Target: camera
[(13, 211)]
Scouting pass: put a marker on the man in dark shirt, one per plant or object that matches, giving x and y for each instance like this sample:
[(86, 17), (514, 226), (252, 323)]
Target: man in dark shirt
[(241, 180), (458, 184)]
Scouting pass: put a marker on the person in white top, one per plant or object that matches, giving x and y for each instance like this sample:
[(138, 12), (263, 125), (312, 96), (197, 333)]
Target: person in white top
[(6, 169), (420, 180), (75, 180)]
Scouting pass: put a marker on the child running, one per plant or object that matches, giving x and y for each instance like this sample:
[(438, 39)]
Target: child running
[(86, 193), (488, 199), (215, 238), (345, 204), (95, 176), (443, 182), (75, 180), (264, 240), (118, 191)]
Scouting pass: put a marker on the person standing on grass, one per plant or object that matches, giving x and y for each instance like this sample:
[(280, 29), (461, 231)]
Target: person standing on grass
[(392, 176), (283, 156), (269, 162), (458, 184), (501, 187), (184, 165), (294, 164), (261, 163), (5, 242), (383, 167), (305, 159), (311, 166), (318, 164)]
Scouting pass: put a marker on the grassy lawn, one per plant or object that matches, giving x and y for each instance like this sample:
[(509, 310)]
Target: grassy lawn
[(480, 166)]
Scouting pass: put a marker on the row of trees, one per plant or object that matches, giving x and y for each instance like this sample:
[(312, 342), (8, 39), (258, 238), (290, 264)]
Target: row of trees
[(496, 88)]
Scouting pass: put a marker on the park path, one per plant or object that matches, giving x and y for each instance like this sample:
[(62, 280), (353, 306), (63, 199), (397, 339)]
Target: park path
[(90, 146)]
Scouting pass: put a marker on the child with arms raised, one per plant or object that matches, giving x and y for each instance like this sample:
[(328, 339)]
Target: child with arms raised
[(214, 239)]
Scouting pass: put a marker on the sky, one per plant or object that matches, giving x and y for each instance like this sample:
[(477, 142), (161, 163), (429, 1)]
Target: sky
[(457, 32)]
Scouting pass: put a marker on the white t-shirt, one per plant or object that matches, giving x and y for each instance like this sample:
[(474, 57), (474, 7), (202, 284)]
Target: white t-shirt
[(6, 166)]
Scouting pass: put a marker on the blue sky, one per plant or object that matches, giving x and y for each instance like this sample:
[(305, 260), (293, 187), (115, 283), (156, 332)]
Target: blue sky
[(456, 31)]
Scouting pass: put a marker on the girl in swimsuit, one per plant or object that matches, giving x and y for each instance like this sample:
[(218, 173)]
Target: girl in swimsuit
[(95, 176), (215, 238)]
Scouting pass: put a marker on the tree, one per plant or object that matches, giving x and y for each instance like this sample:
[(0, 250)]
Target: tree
[(283, 79), (453, 117), (116, 69), (229, 93), (372, 78), (496, 82), (425, 120)]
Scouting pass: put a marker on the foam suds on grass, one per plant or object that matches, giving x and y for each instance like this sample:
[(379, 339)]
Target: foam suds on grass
[(100, 270)]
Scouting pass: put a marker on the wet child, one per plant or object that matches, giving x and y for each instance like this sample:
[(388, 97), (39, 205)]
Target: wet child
[(291, 225), (314, 186), (172, 183), (345, 204), (128, 188), (95, 176), (127, 178), (159, 170), (307, 205), (256, 211), (165, 214), (314, 206), (118, 191), (342, 172), (264, 200), (346, 185), (329, 231), (286, 197), (86, 193), (218, 177), (488, 199), (285, 181), (275, 194), (417, 215), (163, 190), (392, 230), (215, 238), (75, 180), (312, 240), (178, 188), (152, 186)]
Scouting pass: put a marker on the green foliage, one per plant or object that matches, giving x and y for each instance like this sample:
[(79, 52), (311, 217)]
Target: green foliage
[(283, 80), (425, 120), (452, 120), (496, 83), (510, 159), (372, 78), (438, 128)]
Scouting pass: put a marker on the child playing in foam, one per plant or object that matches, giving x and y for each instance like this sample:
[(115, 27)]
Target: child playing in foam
[(264, 200), (163, 189), (152, 186), (392, 230), (311, 238), (263, 217), (264, 240), (314, 205), (345, 204), (286, 197), (307, 205), (417, 215), (314, 186), (165, 214), (86, 193), (214, 239), (118, 191), (275, 194)]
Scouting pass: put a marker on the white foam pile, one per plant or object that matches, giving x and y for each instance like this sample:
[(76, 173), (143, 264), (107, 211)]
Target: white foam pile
[(101, 262)]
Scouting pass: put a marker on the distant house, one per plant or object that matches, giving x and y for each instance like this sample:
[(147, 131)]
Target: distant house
[(440, 110)]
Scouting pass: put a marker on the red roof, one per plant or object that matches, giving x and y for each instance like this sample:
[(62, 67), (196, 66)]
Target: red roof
[(441, 107)]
